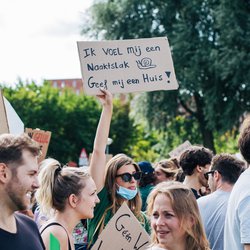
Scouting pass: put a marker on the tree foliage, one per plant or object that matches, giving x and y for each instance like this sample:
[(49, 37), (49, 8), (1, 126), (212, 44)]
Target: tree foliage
[(210, 43), (72, 119)]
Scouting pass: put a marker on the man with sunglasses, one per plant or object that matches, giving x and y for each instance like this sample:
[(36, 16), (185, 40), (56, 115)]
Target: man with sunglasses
[(237, 224), (195, 161), (224, 172)]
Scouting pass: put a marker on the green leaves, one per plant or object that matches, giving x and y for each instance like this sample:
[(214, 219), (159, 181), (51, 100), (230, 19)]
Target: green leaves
[(71, 118), (210, 42)]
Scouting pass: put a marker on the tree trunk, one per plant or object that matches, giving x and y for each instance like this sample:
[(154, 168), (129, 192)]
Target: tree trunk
[(207, 134), (207, 137)]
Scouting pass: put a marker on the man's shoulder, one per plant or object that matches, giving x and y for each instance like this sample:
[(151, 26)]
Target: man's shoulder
[(241, 187), (207, 199), (204, 199)]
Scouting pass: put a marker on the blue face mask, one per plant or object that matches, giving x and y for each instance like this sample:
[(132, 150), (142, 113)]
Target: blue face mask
[(126, 193)]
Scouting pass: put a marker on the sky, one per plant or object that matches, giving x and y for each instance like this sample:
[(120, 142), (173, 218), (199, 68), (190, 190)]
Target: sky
[(38, 39)]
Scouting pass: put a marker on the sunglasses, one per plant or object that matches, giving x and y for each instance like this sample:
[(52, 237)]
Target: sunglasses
[(127, 177), (207, 173)]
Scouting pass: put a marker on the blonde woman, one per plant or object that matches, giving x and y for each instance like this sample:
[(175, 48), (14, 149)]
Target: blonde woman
[(166, 170), (175, 219), (66, 195), (116, 182)]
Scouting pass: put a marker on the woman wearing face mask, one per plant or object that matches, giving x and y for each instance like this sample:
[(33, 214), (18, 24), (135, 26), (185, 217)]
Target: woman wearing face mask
[(175, 219), (116, 182)]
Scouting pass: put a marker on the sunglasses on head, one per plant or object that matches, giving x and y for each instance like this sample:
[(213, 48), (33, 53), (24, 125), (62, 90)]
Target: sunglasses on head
[(127, 177), (207, 173)]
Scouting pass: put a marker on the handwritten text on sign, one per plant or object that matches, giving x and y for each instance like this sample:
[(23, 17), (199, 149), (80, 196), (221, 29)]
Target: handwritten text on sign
[(123, 66), (126, 233)]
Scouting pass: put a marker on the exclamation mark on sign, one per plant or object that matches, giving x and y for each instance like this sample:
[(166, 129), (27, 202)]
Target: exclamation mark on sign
[(168, 75)]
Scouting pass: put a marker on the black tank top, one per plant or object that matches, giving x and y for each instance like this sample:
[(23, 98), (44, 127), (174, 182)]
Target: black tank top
[(56, 223)]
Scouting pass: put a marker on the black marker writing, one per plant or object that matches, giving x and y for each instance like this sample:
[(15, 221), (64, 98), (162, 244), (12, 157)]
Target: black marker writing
[(156, 48), (99, 247), (89, 52), (119, 227), (136, 50), (150, 78), (112, 52), (145, 63), (118, 82), (168, 75), (93, 84), (135, 246), (107, 66)]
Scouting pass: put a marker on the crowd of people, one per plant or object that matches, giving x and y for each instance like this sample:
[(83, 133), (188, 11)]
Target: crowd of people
[(197, 201)]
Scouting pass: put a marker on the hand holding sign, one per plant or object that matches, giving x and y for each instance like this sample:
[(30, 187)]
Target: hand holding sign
[(125, 66)]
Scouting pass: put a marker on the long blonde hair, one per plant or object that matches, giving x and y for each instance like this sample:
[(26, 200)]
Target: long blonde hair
[(112, 167), (185, 207), (170, 167), (57, 183)]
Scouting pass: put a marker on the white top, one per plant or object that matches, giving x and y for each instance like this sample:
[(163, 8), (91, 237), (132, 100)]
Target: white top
[(237, 224)]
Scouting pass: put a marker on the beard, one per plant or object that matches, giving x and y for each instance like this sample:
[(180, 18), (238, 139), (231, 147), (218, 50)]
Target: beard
[(15, 194)]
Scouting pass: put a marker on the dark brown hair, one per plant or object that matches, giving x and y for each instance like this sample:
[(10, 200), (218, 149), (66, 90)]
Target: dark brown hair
[(228, 166), (193, 156), (12, 147)]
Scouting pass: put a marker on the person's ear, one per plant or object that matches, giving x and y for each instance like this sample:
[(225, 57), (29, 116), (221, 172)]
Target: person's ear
[(73, 200), (199, 169), (4, 173), (190, 222), (216, 175)]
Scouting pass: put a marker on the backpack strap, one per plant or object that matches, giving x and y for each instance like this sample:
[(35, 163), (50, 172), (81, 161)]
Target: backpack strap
[(57, 224)]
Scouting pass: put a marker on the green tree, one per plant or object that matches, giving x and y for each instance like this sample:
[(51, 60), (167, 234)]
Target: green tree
[(121, 127), (72, 119), (146, 146), (214, 85)]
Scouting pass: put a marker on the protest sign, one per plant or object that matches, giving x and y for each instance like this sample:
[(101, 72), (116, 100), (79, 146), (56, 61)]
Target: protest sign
[(10, 122), (126, 232), (180, 149), (123, 66), (42, 137)]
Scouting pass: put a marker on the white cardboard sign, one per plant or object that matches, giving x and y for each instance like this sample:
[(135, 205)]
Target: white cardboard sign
[(10, 122), (123, 232), (123, 66)]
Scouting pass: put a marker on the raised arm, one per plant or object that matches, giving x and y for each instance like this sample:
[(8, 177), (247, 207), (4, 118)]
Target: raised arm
[(98, 159)]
